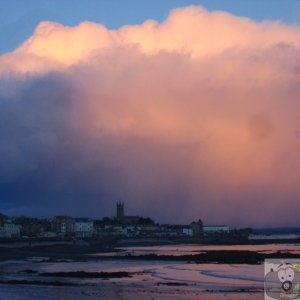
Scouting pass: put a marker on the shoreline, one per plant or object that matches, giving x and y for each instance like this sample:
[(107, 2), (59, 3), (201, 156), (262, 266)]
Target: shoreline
[(57, 253), (136, 242)]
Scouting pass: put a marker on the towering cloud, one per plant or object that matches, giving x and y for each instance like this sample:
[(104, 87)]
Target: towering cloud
[(195, 117)]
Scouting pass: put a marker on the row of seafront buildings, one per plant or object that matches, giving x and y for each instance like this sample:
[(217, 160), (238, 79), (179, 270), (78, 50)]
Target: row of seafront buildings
[(82, 228), (60, 226), (121, 225)]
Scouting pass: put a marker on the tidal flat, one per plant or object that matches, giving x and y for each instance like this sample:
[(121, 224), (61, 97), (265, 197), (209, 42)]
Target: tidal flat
[(116, 275)]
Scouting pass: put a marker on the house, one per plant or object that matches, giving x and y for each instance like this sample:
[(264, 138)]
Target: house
[(63, 225), (211, 229), (83, 227), (10, 230), (175, 230), (33, 227), (187, 231)]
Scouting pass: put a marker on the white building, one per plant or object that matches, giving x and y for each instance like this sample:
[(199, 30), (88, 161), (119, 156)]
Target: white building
[(83, 228), (187, 231), (215, 228), (10, 230)]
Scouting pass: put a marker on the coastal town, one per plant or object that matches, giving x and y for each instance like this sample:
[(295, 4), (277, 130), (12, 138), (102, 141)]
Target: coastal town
[(119, 226), (123, 226)]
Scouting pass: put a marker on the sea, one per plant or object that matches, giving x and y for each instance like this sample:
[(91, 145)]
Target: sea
[(148, 279)]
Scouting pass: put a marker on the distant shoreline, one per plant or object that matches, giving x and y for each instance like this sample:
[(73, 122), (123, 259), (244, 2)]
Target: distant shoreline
[(63, 252), (140, 242), (201, 241)]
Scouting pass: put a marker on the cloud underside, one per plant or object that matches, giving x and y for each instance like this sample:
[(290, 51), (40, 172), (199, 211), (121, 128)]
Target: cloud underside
[(196, 117)]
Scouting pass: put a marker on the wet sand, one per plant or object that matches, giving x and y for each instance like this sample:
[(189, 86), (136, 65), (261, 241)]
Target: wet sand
[(72, 273)]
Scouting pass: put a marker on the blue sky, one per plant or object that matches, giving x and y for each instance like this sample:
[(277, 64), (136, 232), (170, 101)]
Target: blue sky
[(18, 18)]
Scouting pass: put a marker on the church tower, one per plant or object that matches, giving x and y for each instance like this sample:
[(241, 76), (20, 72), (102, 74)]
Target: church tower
[(120, 211)]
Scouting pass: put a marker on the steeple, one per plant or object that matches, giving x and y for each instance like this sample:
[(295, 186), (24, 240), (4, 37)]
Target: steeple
[(120, 211)]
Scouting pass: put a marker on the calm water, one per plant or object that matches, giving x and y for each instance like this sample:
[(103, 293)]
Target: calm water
[(194, 249), (151, 280)]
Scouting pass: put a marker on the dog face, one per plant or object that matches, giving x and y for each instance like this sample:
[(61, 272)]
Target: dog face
[(283, 282)]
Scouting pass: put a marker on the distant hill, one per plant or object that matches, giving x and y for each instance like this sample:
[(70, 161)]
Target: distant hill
[(277, 230)]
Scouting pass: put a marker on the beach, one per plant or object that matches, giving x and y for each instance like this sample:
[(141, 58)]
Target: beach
[(114, 275)]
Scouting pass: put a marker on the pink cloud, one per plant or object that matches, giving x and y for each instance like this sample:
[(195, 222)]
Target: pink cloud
[(199, 113)]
